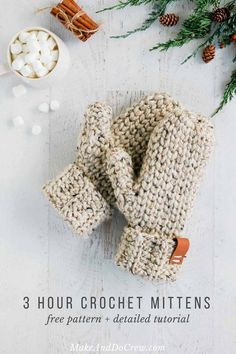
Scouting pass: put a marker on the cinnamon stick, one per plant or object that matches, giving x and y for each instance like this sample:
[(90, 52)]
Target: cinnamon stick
[(72, 5), (66, 10), (80, 22), (56, 12)]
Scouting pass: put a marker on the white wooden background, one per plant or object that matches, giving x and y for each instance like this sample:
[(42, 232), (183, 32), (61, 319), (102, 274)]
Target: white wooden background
[(38, 253)]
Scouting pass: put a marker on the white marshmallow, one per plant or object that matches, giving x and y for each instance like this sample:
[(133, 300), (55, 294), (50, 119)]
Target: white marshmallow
[(32, 37), (18, 63), (23, 36), (31, 58), (45, 50), (43, 107), (37, 65), (16, 47), (43, 44), (33, 46), (26, 71), (36, 129), (55, 54), (51, 43), (54, 105), (42, 72), (18, 121), (21, 55), (42, 36), (19, 90), (46, 59), (25, 48), (50, 66)]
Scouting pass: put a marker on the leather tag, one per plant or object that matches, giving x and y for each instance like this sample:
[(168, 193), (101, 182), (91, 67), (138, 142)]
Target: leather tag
[(179, 253)]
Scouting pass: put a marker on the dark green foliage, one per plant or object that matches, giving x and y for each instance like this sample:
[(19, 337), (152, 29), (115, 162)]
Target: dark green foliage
[(199, 25), (158, 10), (122, 4), (195, 27), (230, 92), (202, 5)]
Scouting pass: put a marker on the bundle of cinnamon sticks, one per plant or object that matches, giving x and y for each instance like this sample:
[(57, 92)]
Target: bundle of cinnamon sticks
[(71, 15)]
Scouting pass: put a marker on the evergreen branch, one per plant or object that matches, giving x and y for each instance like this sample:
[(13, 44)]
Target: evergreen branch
[(230, 92), (122, 4), (209, 40), (222, 32), (157, 11), (206, 4), (198, 25)]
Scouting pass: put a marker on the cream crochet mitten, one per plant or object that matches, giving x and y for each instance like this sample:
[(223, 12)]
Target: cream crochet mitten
[(82, 194), (77, 193), (157, 203)]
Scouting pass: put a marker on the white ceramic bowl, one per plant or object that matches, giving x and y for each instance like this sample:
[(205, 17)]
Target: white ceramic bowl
[(56, 74)]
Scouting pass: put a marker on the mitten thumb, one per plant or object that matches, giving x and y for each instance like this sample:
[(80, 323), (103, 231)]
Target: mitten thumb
[(95, 132), (121, 174)]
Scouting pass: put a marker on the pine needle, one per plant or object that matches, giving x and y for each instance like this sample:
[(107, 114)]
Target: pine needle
[(157, 11), (122, 4), (230, 92), (198, 25)]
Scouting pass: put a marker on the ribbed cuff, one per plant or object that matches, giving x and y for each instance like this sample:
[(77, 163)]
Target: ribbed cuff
[(77, 201), (147, 255)]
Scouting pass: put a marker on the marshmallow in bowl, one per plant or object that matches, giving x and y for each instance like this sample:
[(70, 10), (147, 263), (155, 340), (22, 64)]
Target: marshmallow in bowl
[(31, 58), (51, 43), (18, 63), (51, 65), (37, 65), (24, 48), (45, 49), (16, 47), (23, 36), (46, 58), (26, 71), (33, 45), (42, 72), (42, 36), (34, 54), (55, 54)]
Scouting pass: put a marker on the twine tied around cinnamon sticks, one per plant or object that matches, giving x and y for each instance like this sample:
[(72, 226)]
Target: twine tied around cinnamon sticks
[(71, 15)]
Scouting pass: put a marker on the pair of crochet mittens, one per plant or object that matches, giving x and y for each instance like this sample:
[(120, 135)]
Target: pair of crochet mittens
[(148, 162)]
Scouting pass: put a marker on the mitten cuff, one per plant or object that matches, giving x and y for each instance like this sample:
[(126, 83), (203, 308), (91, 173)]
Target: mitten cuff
[(149, 254), (75, 198)]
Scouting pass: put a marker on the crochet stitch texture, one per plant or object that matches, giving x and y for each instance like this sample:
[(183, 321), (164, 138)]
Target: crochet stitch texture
[(82, 193), (157, 203)]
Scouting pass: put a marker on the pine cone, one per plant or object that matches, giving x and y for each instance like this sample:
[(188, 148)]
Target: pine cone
[(209, 53), (233, 38), (169, 20), (221, 15)]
